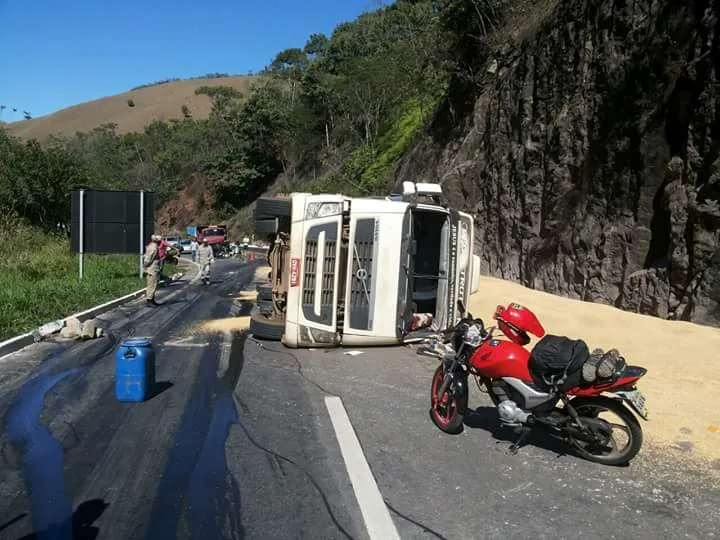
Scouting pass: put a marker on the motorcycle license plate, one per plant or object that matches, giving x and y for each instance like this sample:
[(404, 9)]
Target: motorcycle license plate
[(636, 400)]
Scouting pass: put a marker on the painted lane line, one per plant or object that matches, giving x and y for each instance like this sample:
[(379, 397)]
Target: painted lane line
[(378, 522), (225, 350)]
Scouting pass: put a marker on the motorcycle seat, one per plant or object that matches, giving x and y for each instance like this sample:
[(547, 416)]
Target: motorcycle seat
[(558, 359)]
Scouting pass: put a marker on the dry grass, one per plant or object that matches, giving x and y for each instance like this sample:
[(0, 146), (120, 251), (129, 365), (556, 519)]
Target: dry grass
[(162, 102)]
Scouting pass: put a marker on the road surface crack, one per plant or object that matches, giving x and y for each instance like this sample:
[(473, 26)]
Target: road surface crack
[(425, 528), (280, 458), (299, 366)]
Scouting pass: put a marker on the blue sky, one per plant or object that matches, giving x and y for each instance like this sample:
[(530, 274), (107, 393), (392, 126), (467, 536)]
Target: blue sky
[(59, 53)]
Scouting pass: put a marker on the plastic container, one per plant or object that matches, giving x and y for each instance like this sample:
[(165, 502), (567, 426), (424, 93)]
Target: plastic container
[(134, 370)]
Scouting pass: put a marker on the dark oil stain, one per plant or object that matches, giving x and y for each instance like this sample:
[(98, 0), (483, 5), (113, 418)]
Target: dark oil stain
[(42, 458)]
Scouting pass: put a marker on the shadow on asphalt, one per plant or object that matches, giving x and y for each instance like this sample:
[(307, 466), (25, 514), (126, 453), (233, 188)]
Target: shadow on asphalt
[(81, 523), (486, 418), (160, 387)]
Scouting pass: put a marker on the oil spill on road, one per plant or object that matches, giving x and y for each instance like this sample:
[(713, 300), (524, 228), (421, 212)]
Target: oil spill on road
[(213, 498), (197, 482), (42, 457), (189, 439)]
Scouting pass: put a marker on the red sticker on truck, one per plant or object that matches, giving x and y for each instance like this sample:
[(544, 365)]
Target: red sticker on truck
[(294, 272)]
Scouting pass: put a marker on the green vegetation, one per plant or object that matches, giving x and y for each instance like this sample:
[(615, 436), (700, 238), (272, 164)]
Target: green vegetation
[(334, 115), (175, 79), (39, 278)]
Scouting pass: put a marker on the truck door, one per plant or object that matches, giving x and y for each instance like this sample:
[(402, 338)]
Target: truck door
[(316, 271), (373, 272)]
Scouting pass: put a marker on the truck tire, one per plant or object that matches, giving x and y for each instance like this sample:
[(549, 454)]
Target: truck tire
[(264, 328), (266, 227), (264, 293), (265, 307), (271, 207)]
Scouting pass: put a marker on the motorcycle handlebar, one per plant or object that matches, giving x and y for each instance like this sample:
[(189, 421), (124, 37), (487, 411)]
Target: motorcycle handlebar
[(450, 330)]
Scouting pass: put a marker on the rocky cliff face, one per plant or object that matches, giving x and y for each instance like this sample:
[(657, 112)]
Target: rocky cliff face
[(589, 154)]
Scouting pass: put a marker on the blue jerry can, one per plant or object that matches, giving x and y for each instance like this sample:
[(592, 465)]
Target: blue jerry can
[(134, 370)]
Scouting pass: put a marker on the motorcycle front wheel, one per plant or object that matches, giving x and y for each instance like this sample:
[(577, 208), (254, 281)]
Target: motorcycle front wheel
[(609, 451), (448, 410)]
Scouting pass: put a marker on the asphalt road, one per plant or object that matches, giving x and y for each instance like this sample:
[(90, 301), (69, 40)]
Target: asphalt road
[(207, 457), (239, 443)]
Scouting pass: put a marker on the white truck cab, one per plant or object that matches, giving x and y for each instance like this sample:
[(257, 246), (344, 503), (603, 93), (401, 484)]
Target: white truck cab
[(363, 271)]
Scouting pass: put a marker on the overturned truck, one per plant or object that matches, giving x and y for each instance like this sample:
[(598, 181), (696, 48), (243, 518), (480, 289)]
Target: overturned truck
[(362, 271)]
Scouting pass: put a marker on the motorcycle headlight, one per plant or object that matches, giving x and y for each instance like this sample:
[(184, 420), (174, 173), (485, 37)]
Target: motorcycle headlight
[(473, 336)]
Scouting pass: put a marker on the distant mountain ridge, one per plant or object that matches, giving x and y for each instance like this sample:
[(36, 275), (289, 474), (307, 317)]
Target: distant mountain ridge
[(133, 110)]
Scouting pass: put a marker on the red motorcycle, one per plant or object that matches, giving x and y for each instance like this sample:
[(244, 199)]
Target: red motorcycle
[(527, 387)]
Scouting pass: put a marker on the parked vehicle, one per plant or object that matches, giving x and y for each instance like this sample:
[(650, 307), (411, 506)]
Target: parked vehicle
[(173, 240), (363, 271), (216, 236), (526, 387), (185, 246)]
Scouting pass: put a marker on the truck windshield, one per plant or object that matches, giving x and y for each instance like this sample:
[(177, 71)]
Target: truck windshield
[(213, 232)]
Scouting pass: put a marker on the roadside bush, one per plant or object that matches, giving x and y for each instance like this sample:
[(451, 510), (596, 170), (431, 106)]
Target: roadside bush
[(39, 278)]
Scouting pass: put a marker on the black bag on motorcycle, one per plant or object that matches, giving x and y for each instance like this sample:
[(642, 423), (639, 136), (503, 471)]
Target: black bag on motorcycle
[(555, 357)]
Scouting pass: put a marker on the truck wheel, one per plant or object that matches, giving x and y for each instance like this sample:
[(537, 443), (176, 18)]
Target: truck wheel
[(266, 227), (265, 307), (264, 294), (272, 207), (264, 328)]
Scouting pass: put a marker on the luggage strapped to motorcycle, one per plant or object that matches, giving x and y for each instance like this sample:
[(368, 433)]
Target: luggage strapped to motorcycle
[(555, 359), (553, 382)]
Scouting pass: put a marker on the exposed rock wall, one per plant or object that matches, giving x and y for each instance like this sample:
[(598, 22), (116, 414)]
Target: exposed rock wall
[(589, 155)]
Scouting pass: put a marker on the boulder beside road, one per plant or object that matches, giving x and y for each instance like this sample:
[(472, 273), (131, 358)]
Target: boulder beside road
[(74, 329)]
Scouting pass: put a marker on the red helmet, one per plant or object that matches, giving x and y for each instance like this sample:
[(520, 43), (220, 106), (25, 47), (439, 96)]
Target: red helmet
[(516, 321)]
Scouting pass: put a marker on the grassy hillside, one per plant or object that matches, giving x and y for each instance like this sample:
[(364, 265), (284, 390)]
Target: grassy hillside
[(162, 102)]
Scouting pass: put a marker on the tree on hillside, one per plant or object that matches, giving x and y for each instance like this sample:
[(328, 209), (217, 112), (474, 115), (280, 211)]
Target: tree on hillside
[(35, 181), (345, 104), (289, 65), (315, 46)]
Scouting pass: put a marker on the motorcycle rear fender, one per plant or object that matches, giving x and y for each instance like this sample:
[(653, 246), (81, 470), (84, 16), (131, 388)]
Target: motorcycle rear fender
[(620, 395)]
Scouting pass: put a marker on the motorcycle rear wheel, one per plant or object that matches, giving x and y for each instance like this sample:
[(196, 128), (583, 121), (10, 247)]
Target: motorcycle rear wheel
[(591, 407), (447, 413)]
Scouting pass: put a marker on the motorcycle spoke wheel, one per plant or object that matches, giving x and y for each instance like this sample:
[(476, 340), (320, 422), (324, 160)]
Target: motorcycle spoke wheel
[(620, 444), (447, 410)]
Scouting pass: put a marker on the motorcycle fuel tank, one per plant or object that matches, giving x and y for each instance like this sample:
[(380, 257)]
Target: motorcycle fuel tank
[(497, 358), (517, 321)]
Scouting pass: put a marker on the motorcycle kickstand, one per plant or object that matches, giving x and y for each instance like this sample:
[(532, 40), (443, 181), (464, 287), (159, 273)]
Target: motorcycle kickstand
[(524, 432)]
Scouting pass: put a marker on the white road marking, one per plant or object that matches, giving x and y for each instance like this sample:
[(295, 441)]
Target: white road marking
[(226, 349), (378, 522)]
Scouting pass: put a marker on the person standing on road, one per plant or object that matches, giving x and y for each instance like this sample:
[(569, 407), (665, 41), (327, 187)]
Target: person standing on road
[(194, 248), (205, 258), (151, 263), (162, 250)]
